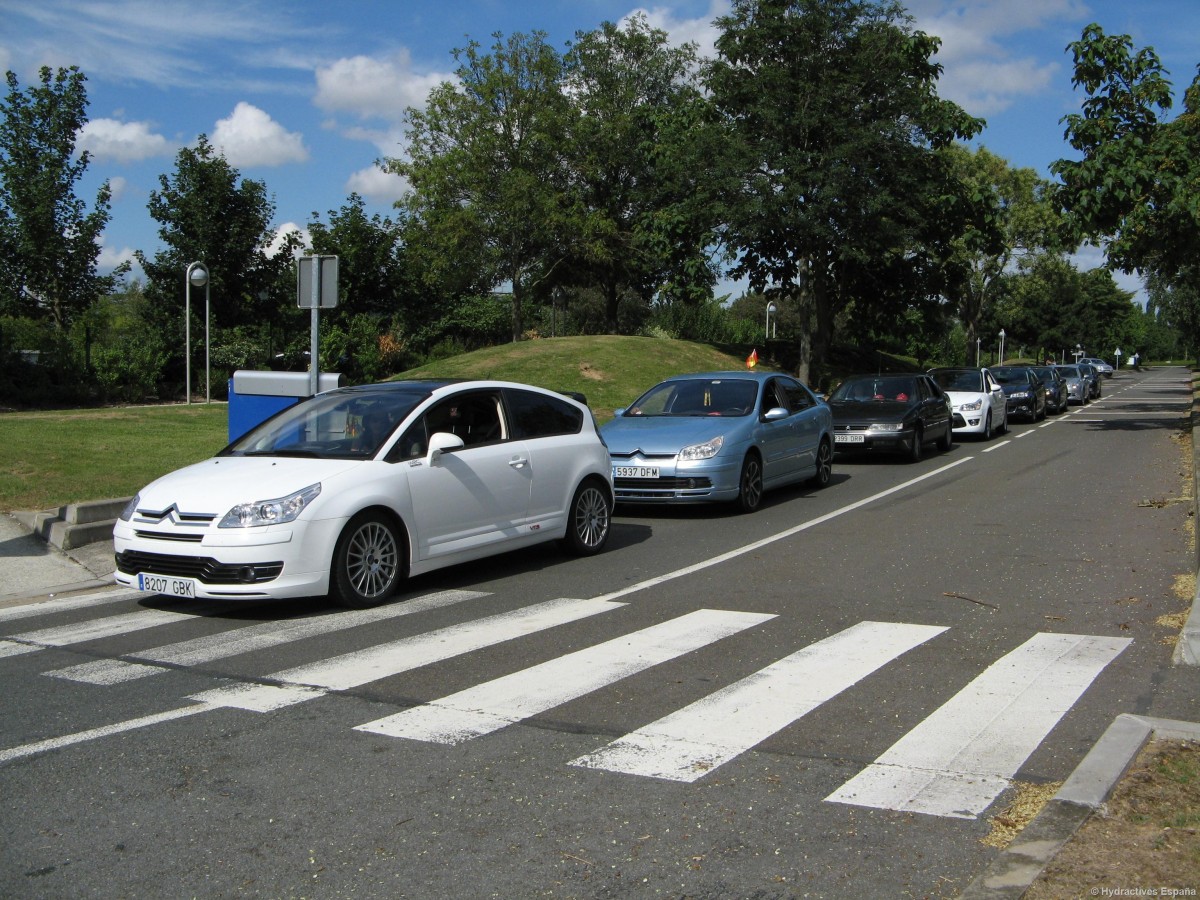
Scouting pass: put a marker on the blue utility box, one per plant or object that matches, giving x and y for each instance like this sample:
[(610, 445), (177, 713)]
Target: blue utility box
[(256, 396)]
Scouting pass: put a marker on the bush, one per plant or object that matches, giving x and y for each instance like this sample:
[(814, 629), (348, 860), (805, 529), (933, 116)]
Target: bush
[(130, 373)]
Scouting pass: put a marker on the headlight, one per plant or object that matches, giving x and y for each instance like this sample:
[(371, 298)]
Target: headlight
[(707, 450), (972, 406), (270, 512), (130, 508), (887, 426)]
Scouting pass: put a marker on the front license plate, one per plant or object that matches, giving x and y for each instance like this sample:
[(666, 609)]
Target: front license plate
[(635, 471), (849, 439), (162, 584)]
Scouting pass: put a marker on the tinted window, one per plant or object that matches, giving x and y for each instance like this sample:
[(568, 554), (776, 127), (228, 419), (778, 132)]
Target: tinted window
[(796, 395), (535, 415)]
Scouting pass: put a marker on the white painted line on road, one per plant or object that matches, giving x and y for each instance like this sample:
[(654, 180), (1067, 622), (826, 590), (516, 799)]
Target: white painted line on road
[(998, 446), (351, 670), (956, 762), (1023, 434), (94, 629), (65, 604), (786, 533), (505, 701), (690, 743), (94, 733), (249, 639)]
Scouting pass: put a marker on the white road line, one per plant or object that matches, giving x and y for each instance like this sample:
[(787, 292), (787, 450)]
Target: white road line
[(48, 607), (688, 744), (786, 533), (958, 760), (249, 639), (383, 660), (505, 701), (998, 446), (94, 733), (94, 629)]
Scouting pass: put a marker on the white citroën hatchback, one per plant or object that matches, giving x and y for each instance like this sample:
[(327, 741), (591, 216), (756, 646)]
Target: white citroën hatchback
[(348, 492)]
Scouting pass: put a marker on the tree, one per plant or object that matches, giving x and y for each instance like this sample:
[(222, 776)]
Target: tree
[(485, 161), (371, 274), (636, 113), (1136, 186), (833, 191), (208, 213), (49, 241), (1021, 220)]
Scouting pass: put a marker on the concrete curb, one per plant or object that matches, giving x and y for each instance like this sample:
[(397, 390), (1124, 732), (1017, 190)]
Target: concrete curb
[(76, 524), (1089, 787)]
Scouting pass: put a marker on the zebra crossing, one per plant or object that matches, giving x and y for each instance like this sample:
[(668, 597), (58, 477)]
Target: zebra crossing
[(953, 764)]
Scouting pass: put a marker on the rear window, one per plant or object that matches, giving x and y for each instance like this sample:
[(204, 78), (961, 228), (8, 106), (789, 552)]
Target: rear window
[(535, 415)]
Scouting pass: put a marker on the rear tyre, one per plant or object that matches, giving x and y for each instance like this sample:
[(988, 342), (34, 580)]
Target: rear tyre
[(824, 473), (368, 562), (750, 485), (589, 519)]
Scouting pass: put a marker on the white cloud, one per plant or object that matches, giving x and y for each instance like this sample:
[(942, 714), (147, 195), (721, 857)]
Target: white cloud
[(372, 87), (377, 185), (108, 139), (281, 234), (700, 31), (250, 137), (117, 187), (109, 259)]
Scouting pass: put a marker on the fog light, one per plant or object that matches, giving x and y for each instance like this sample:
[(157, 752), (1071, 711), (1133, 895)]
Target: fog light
[(247, 575)]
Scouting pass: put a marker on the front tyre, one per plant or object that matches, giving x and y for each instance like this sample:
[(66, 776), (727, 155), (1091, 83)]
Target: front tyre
[(824, 473), (750, 484), (589, 519), (367, 564)]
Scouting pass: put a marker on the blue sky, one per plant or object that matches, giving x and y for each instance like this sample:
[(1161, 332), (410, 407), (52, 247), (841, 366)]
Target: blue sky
[(307, 96)]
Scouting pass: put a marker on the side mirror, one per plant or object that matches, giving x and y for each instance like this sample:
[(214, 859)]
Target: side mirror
[(618, 412), (775, 413), (442, 442)]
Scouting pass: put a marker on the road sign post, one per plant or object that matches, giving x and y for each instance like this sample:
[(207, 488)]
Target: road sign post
[(316, 289)]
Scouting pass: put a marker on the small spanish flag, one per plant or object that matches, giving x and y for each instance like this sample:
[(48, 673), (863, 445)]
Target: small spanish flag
[(752, 359)]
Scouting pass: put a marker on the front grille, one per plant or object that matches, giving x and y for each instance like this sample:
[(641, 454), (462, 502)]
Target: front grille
[(202, 568), (168, 536), (656, 485)]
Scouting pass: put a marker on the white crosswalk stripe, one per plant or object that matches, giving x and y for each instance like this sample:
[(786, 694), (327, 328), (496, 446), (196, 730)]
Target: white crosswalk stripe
[(249, 639), (351, 670), (686, 745), (505, 701), (958, 760)]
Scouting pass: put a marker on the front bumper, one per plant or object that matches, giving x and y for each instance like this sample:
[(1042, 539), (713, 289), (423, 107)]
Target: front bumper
[(702, 481), (275, 562), (848, 441)]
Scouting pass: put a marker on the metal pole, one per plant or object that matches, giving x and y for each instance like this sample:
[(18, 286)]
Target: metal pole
[(207, 370), (313, 338), (187, 335)]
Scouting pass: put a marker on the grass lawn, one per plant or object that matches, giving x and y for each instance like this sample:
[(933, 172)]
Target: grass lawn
[(48, 459)]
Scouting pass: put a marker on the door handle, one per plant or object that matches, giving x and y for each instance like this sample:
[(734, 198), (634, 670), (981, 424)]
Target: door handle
[(518, 462)]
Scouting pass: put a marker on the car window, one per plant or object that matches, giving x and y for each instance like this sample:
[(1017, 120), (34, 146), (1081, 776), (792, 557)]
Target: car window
[(534, 415), (474, 417), (796, 395)]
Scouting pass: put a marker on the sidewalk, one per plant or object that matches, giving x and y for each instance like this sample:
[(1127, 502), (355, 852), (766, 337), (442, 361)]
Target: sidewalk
[(31, 567)]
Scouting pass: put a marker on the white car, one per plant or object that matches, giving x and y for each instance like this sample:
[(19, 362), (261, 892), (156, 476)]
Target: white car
[(1100, 365), (977, 402), (350, 491)]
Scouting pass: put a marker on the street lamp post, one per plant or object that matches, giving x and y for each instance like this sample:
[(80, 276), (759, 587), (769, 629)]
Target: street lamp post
[(196, 276), (1000, 361), (771, 308)]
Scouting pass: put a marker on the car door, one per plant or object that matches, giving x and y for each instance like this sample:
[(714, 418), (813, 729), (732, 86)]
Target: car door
[(806, 426), (999, 404), (550, 429), (474, 496), (777, 439), (935, 408)]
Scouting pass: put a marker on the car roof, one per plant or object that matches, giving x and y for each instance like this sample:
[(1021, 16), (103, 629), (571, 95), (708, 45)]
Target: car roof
[(749, 374)]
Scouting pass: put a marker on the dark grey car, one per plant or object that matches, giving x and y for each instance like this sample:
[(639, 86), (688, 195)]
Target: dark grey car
[(1057, 396)]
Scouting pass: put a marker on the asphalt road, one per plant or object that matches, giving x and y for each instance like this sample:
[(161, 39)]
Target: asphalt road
[(827, 698)]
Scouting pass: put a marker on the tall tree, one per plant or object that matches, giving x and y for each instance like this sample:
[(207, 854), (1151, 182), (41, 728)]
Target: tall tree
[(49, 241), (371, 274), (1021, 222), (485, 161), (1136, 186), (638, 111), (832, 108), (208, 213)]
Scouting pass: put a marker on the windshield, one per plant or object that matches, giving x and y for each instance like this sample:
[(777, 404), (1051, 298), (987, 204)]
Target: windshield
[(698, 397), (901, 388), (1011, 376), (344, 424), (1046, 373), (1068, 371), (964, 380)]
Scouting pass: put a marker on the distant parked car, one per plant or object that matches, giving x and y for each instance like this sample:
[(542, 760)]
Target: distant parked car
[(1100, 365), (897, 413), (1056, 388), (1025, 392), (719, 436), (1094, 385), (1077, 384), (977, 402)]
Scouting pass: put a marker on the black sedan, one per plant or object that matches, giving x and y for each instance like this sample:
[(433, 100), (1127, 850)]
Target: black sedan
[(899, 413), (1025, 392), (1057, 395)]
